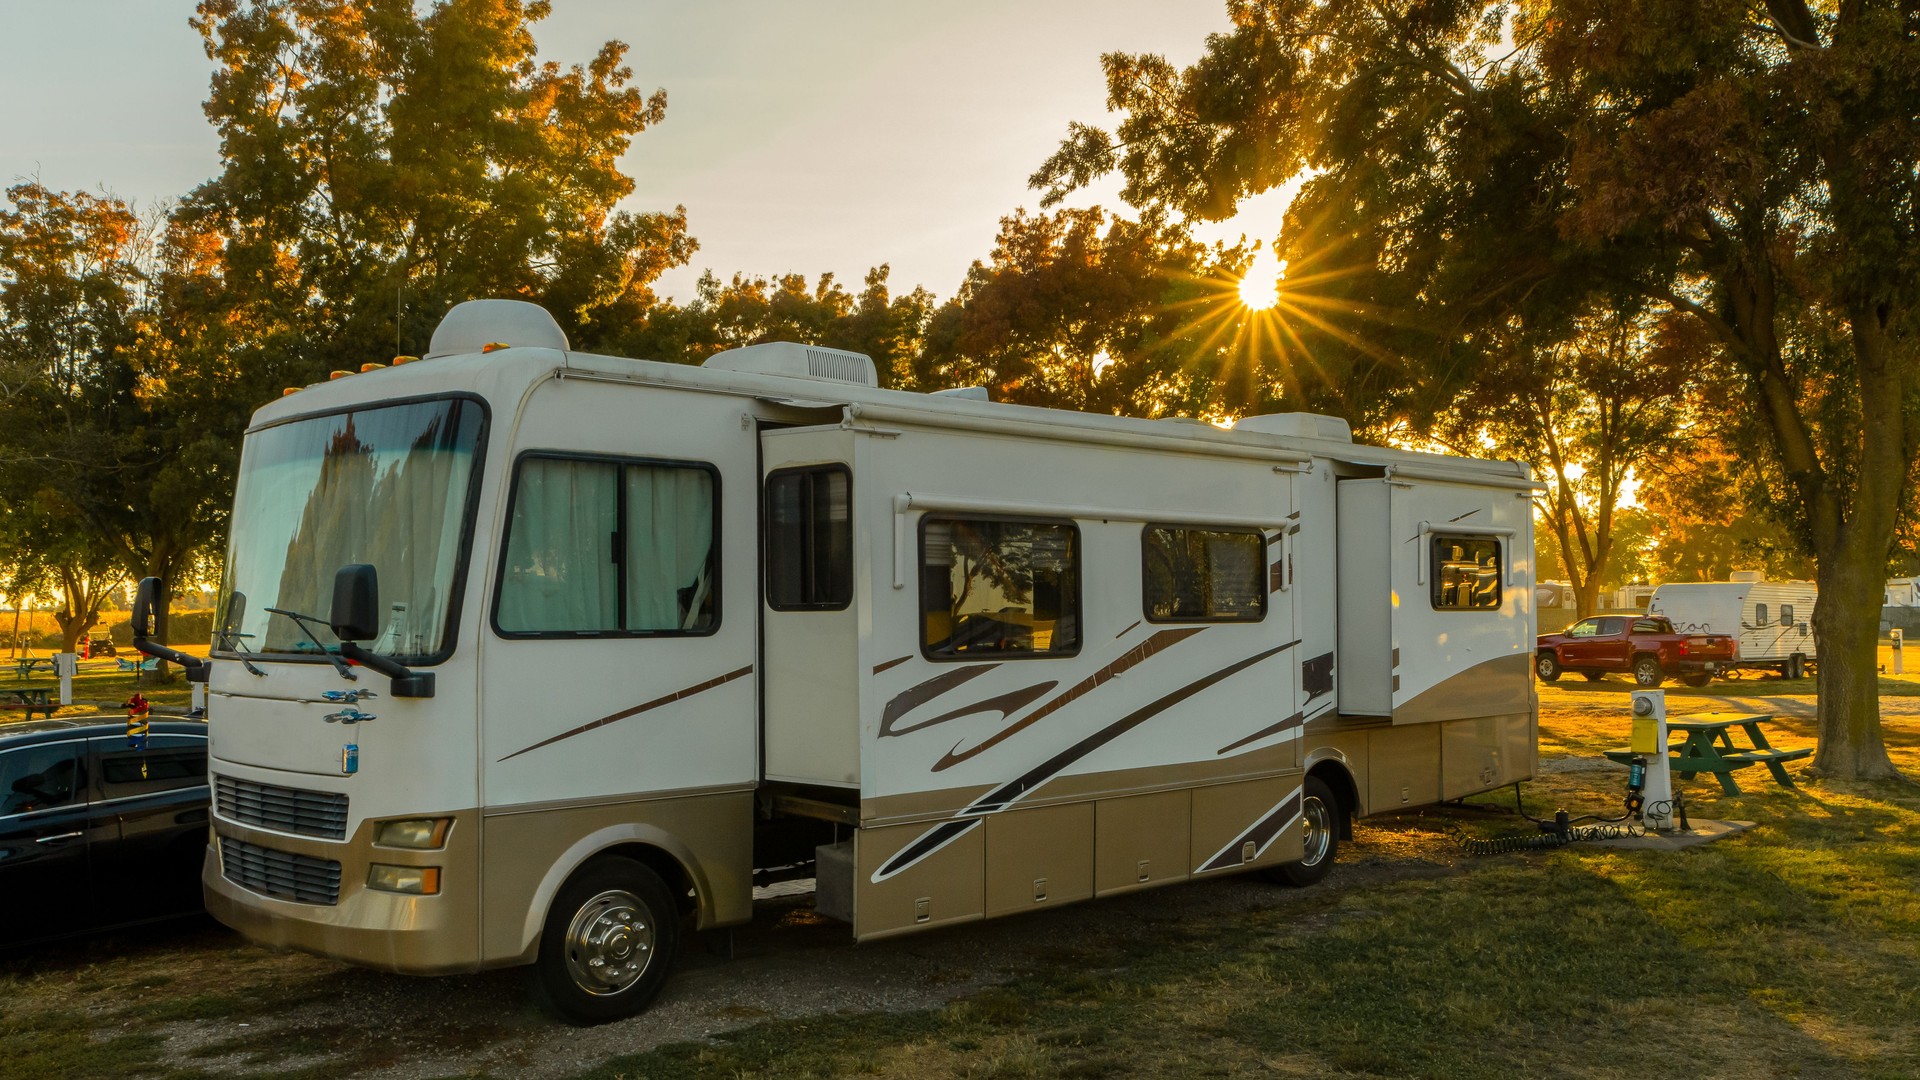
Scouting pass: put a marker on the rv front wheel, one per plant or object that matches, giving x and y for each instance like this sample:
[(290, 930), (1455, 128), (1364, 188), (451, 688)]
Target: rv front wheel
[(1320, 835), (1547, 666), (1646, 671), (608, 942)]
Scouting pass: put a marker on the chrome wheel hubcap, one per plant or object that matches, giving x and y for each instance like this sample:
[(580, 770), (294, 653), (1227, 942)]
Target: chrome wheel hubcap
[(609, 943), (1317, 821)]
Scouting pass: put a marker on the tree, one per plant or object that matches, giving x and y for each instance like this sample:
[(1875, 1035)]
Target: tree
[(1750, 165), (1592, 404), (381, 163)]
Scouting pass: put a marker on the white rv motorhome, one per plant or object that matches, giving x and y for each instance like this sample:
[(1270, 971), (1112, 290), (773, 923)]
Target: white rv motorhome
[(527, 656), (1773, 620)]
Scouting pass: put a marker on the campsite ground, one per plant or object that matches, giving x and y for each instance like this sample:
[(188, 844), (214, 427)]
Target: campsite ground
[(1789, 950)]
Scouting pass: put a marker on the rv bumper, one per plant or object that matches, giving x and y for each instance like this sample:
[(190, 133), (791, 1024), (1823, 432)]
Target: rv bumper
[(411, 934)]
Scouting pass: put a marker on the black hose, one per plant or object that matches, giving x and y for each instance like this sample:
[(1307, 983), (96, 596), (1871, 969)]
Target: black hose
[(1545, 841)]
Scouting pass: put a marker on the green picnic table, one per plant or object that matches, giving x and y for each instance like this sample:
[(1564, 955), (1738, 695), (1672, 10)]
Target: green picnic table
[(26, 665), (29, 699), (1709, 747)]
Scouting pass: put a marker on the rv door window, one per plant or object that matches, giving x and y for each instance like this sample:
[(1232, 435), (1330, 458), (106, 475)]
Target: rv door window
[(1203, 575), (1465, 573), (809, 539), (998, 588), (599, 547)]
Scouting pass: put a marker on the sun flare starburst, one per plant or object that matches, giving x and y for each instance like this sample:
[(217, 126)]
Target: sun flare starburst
[(1260, 285)]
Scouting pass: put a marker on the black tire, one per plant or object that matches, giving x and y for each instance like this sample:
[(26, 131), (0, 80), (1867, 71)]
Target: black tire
[(1593, 676), (1797, 666), (1547, 666), (1320, 817), (1647, 672), (608, 943), (1696, 678)]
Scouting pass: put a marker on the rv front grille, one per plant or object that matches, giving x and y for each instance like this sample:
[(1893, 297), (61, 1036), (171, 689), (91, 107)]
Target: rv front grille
[(283, 809), (281, 874)]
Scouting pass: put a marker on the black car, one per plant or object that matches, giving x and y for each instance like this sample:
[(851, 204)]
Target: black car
[(96, 833)]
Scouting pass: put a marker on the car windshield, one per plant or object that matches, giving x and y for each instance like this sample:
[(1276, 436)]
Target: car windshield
[(386, 485)]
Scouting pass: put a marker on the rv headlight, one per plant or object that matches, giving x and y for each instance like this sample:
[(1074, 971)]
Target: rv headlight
[(419, 880), (423, 834)]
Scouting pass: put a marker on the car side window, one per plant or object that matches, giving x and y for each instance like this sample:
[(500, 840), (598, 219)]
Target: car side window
[(40, 777), (168, 763), (1583, 628), (1609, 627), (1648, 626)]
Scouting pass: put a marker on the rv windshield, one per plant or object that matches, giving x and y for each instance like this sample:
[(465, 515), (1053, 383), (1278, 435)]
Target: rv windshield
[(386, 485)]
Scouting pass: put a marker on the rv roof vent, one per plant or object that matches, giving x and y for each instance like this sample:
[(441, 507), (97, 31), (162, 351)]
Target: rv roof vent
[(1747, 575), (1299, 425), (970, 393), (476, 324), (798, 361)]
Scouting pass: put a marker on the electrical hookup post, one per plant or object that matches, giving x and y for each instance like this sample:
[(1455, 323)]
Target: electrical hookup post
[(1650, 775), (64, 665), (1899, 643)]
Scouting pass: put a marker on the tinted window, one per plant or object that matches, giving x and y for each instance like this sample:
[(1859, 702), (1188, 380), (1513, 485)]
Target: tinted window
[(1465, 573), (1648, 626), (1759, 614), (1786, 614), (998, 588), (809, 539), (1203, 575), (168, 762), (38, 777), (608, 548)]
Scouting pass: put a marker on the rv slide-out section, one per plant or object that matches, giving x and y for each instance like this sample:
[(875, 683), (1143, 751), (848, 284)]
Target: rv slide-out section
[(692, 626)]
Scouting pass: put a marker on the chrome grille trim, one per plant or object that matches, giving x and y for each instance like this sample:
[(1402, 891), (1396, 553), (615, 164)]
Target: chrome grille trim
[(280, 874), (283, 809)]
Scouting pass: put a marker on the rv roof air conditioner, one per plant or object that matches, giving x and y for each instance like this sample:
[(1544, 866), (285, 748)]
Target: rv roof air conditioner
[(1298, 425), (472, 326), (798, 362)]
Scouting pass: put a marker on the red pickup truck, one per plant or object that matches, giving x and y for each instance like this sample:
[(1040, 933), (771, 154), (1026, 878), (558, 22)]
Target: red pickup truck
[(1644, 646)]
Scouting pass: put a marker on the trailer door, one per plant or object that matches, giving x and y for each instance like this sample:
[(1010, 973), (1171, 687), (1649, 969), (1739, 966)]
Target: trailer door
[(810, 640)]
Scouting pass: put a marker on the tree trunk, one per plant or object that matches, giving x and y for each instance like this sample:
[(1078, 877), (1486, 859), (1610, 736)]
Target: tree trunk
[(1846, 631)]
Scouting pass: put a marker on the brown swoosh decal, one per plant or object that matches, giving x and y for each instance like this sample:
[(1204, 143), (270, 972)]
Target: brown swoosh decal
[(1005, 704), (908, 700), (1293, 721), (878, 668), (1127, 631), (1262, 833), (677, 695), (1085, 686)]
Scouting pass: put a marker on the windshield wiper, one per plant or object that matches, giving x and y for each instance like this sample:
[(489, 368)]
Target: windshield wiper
[(303, 622), (228, 640)]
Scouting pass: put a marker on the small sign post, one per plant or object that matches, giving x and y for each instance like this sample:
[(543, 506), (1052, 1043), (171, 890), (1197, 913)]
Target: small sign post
[(1899, 661), (64, 664)]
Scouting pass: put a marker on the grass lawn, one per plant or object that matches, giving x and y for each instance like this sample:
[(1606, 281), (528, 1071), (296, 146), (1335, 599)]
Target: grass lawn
[(1790, 950), (100, 685)]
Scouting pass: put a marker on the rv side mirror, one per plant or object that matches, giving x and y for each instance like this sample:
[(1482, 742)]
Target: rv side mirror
[(356, 603), (144, 597)]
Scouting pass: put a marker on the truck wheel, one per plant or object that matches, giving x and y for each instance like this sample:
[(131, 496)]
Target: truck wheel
[(1593, 676), (1646, 671), (1696, 678), (1320, 812), (608, 942), (1547, 666)]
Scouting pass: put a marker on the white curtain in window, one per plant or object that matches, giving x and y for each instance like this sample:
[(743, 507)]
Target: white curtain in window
[(560, 572), (669, 546)]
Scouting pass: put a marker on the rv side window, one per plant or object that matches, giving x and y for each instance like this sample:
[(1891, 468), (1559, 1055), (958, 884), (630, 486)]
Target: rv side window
[(998, 588), (1465, 573), (809, 539), (599, 547), (1203, 575), (1786, 614), (1759, 614)]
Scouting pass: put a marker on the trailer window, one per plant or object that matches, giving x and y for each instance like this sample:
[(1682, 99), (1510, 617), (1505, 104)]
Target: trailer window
[(1759, 615), (1203, 575), (998, 588), (809, 539), (1786, 614), (1465, 573), (600, 547)]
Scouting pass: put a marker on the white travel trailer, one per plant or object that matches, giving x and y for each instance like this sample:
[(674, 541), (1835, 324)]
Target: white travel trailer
[(1773, 620), (610, 639)]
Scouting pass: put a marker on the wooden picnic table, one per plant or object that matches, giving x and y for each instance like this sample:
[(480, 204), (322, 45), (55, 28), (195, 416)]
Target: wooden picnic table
[(1709, 747), (29, 699), (27, 665)]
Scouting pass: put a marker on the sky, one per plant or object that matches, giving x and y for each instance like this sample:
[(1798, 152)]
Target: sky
[(830, 135)]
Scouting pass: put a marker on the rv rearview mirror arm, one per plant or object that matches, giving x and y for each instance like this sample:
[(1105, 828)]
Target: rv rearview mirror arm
[(144, 598), (356, 617)]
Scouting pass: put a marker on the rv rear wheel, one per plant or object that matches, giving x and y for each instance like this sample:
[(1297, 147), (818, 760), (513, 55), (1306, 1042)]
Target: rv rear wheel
[(1646, 671), (1797, 666), (608, 942), (1320, 812), (1547, 666)]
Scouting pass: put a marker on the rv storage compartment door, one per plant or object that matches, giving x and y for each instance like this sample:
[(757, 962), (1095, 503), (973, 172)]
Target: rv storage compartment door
[(811, 640), (1367, 598)]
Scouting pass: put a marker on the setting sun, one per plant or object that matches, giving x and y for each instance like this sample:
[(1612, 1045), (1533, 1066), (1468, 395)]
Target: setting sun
[(1260, 286)]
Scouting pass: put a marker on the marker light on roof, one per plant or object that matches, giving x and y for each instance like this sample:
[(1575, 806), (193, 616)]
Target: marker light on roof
[(338, 374)]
